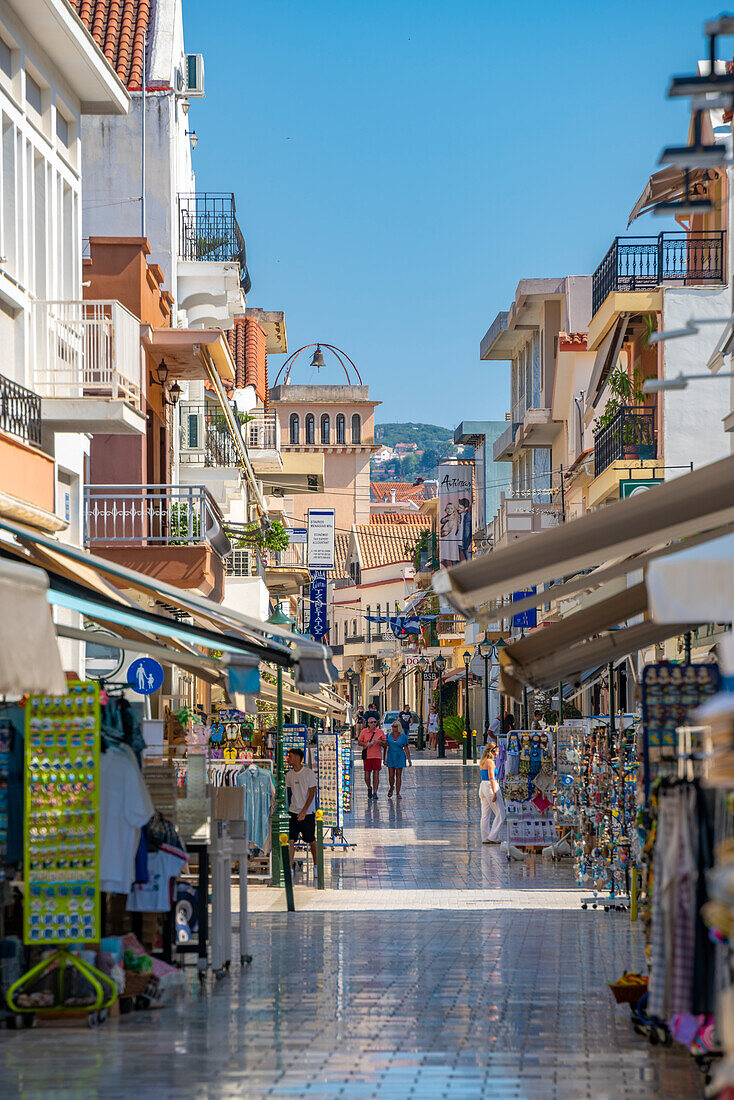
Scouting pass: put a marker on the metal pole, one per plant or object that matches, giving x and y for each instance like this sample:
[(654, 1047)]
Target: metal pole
[(441, 739), (320, 849), (687, 646), (420, 709), (525, 712), (474, 745), (285, 859), (467, 724), (486, 697), (560, 702), (142, 151)]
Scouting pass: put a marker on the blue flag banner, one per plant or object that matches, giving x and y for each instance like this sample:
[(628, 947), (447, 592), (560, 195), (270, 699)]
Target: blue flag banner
[(318, 620), (526, 620)]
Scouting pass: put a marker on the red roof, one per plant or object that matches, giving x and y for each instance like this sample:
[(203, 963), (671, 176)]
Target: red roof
[(382, 491), (247, 343), (414, 519), (118, 27)]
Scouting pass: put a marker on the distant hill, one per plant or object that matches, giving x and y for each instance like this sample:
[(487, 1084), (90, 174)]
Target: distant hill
[(435, 442)]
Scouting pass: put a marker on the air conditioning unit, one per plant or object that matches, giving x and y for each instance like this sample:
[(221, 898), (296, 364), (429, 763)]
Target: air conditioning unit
[(193, 75)]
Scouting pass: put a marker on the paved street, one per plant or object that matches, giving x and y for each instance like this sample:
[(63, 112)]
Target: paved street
[(430, 968)]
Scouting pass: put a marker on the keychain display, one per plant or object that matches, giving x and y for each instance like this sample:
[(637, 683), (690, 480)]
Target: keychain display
[(6, 735), (329, 767), (61, 822), (528, 789)]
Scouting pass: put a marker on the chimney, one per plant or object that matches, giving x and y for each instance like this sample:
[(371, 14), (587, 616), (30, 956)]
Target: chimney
[(392, 496)]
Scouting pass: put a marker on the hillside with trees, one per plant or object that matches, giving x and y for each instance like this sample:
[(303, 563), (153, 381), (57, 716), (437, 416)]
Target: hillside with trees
[(432, 443)]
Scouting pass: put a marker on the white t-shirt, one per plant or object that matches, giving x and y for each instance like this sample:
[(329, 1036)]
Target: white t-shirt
[(124, 807), (299, 783), (432, 723), (154, 896), (495, 726)]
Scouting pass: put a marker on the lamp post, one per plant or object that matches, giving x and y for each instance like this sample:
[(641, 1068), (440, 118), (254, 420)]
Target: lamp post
[(422, 668), (280, 817), (467, 725), (486, 650), (440, 666), (385, 669)]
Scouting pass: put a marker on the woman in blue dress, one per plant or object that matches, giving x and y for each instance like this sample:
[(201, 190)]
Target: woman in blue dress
[(397, 754)]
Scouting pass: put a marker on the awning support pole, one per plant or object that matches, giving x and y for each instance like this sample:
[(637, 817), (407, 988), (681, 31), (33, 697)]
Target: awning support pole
[(279, 823), (560, 702)]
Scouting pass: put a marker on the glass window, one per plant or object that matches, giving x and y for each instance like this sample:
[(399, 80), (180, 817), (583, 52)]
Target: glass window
[(62, 128), (6, 58), (356, 429), (341, 429), (294, 427), (310, 429), (325, 428), (33, 93)]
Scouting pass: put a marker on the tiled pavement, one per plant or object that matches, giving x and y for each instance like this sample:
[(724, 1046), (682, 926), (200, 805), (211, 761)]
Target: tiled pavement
[(429, 968)]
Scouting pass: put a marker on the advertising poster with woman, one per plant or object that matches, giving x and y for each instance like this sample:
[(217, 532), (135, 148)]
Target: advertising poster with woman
[(454, 513)]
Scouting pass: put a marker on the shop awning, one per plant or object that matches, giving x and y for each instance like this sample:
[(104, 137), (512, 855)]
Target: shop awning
[(697, 583), (569, 665), (699, 501), (29, 652), (606, 357), (318, 704), (576, 628), (668, 185)]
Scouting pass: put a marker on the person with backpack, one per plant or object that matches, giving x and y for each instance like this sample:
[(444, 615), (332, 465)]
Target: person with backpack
[(372, 738)]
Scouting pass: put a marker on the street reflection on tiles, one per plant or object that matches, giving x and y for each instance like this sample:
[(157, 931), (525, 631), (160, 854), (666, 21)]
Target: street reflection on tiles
[(429, 967)]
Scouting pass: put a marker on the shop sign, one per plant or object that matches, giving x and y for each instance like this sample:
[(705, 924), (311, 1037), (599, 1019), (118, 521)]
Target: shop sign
[(411, 660), (321, 528), (317, 616), (526, 620), (630, 487), (145, 676)]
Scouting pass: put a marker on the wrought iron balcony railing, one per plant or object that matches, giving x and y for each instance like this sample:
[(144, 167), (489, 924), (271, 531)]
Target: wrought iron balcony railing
[(153, 515), (642, 263), (86, 349), (206, 439), (20, 411), (208, 230), (631, 435), (293, 555)]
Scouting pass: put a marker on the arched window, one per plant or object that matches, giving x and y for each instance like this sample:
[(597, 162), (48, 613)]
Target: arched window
[(356, 429), (294, 427), (310, 429), (325, 428), (341, 429)]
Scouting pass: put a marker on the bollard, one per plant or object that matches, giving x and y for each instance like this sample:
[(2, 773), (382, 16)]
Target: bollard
[(319, 849), (633, 894), (285, 859), (474, 745), (463, 747)]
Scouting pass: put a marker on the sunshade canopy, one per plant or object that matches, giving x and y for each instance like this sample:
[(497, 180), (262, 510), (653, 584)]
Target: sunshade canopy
[(697, 584), (29, 652)]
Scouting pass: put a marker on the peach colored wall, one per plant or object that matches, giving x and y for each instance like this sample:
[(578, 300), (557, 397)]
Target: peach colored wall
[(118, 268), (26, 473), (346, 490)]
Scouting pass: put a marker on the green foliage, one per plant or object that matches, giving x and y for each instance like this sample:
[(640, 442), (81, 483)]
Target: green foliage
[(435, 442), (626, 390), (181, 532), (422, 434), (423, 544), (453, 726), (273, 538), (185, 716)]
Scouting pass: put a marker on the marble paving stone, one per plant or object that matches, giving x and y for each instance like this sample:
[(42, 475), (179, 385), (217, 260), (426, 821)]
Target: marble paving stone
[(429, 968)]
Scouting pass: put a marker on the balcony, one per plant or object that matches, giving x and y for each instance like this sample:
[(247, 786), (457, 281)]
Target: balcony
[(521, 516), (631, 435), (262, 436), (20, 412), (27, 474), (206, 439), (212, 263), (172, 532), (644, 263), (87, 366), (286, 571)]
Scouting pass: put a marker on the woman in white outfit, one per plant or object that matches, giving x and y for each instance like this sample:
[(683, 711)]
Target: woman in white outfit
[(490, 796)]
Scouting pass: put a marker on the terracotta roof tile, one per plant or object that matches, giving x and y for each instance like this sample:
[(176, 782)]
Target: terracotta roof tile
[(389, 544), (411, 519), (118, 27), (341, 545), (404, 490), (247, 342)]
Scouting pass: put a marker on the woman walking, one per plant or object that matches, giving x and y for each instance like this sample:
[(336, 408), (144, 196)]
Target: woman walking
[(433, 727), (490, 797), (397, 752)]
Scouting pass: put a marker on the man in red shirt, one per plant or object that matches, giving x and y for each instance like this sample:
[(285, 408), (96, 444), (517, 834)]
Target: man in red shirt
[(373, 739)]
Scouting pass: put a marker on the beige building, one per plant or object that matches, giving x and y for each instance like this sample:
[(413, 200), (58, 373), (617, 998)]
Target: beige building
[(339, 423)]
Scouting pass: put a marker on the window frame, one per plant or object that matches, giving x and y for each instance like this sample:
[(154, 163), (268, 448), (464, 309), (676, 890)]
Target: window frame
[(310, 430), (294, 422), (356, 436), (325, 436)]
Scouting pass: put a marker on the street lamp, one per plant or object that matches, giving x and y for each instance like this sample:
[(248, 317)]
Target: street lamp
[(422, 669), (486, 650), (467, 658), (280, 817), (385, 669), (440, 666)]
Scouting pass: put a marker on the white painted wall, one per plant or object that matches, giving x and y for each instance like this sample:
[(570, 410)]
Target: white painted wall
[(692, 418), (248, 595)]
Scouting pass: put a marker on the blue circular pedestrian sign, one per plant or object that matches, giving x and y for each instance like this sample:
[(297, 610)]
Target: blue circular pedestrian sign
[(145, 676)]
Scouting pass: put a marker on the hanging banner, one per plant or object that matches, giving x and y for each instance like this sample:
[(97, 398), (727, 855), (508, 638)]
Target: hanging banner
[(317, 620), (454, 513), (321, 527), (526, 620)]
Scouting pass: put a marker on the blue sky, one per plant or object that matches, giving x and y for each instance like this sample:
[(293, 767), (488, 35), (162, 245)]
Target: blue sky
[(398, 166)]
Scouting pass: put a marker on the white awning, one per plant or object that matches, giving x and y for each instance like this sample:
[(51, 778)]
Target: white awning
[(29, 653), (696, 584)]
